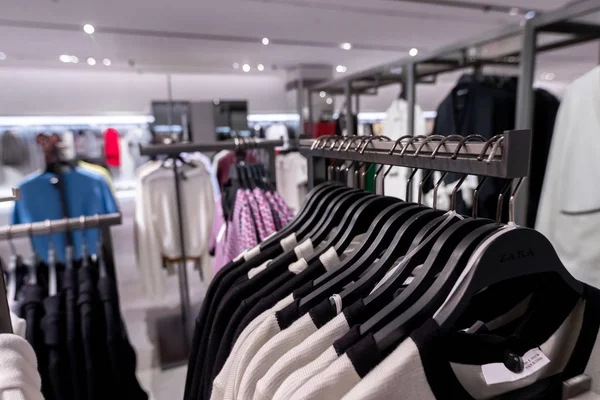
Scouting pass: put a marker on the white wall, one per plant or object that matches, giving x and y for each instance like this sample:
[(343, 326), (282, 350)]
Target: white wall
[(72, 92)]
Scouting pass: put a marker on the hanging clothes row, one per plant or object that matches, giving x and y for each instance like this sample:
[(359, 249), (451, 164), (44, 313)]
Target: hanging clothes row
[(71, 313), (388, 299), (66, 188), (249, 210)]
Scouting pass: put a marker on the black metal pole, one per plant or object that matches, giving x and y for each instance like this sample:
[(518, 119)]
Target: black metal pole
[(182, 271)]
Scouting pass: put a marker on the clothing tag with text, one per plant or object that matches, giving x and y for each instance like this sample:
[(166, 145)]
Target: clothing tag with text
[(533, 361)]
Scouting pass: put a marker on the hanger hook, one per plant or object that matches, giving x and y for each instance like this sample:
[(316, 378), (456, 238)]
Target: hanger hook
[(427, 140), (396, 143), (455, 191), (511, 201), (435, 190), (487, 146), (365, 172), (462, 143), (443, 142), (420, 194), (411, 141), (503, 193), (494, 150), (476, 195), (333, 166)]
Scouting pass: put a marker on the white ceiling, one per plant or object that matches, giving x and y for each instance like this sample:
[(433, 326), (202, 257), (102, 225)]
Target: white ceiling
[(208, 36)]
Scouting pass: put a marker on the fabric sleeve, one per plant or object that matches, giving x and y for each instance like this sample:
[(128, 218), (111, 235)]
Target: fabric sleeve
[(19, 377)]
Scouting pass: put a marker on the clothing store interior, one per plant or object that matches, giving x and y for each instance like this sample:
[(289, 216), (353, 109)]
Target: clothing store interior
[(300, 200)]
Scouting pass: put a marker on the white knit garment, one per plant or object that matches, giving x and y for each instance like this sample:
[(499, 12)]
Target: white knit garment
[(299, 377), (299, 356), (19, 377), (333, 383), (271, 351), (239, 349)]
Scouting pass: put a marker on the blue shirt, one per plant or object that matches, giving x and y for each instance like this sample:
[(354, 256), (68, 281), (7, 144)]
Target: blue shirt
[(86, 194)]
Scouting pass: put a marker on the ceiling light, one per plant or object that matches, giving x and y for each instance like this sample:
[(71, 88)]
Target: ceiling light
[(2, 56), (91, 61), (216, 102), (106, 62), (260, 67), (74, 59), (513, 11), (529, 14), (246, 68), (265, 41), (236, 65), (329, 100), (341, 69), (346, 46), (89, 29), (322, 94), (65, 58), (413, 52)]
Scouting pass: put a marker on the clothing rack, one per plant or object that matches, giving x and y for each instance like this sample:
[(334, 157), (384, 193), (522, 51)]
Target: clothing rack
[(504, 156), (9, 232), (516, 45), (174, 332)]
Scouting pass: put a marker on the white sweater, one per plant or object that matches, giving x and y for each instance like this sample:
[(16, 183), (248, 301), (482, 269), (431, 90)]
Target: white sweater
[(157, 224)]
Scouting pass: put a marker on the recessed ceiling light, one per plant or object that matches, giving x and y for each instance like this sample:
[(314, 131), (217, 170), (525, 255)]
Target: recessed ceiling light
[(106, 62), (346, 46), (413, 52), (216, 102), (329, 100), (65, 58), (246, 68), (341, 69), (2, 56), (322, 94), (529, 14), (74, 59), (236, 65), (89, 29), (260, 67), (514, 11), (266, 41), (91, 61)]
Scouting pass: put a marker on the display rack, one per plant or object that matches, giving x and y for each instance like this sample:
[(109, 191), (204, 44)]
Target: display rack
[(504, 156), (174, 332), (514, 45), (9, 232)]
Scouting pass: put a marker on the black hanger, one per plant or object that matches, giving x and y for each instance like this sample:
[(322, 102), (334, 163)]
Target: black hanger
[(308, 208), (400, 326), (336, 214), (358, 220), (385, 293), (329, 202), (372, 245), (513, 253)]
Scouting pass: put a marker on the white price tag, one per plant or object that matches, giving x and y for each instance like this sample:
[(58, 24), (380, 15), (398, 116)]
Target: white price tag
[(533, 361)]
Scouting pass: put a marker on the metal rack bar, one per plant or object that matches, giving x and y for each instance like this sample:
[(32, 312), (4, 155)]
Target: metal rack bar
[(178, 148), (59, 225), (509, 160)]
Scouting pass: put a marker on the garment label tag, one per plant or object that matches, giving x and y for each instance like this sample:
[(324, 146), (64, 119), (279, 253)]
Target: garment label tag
[(533, 361)]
